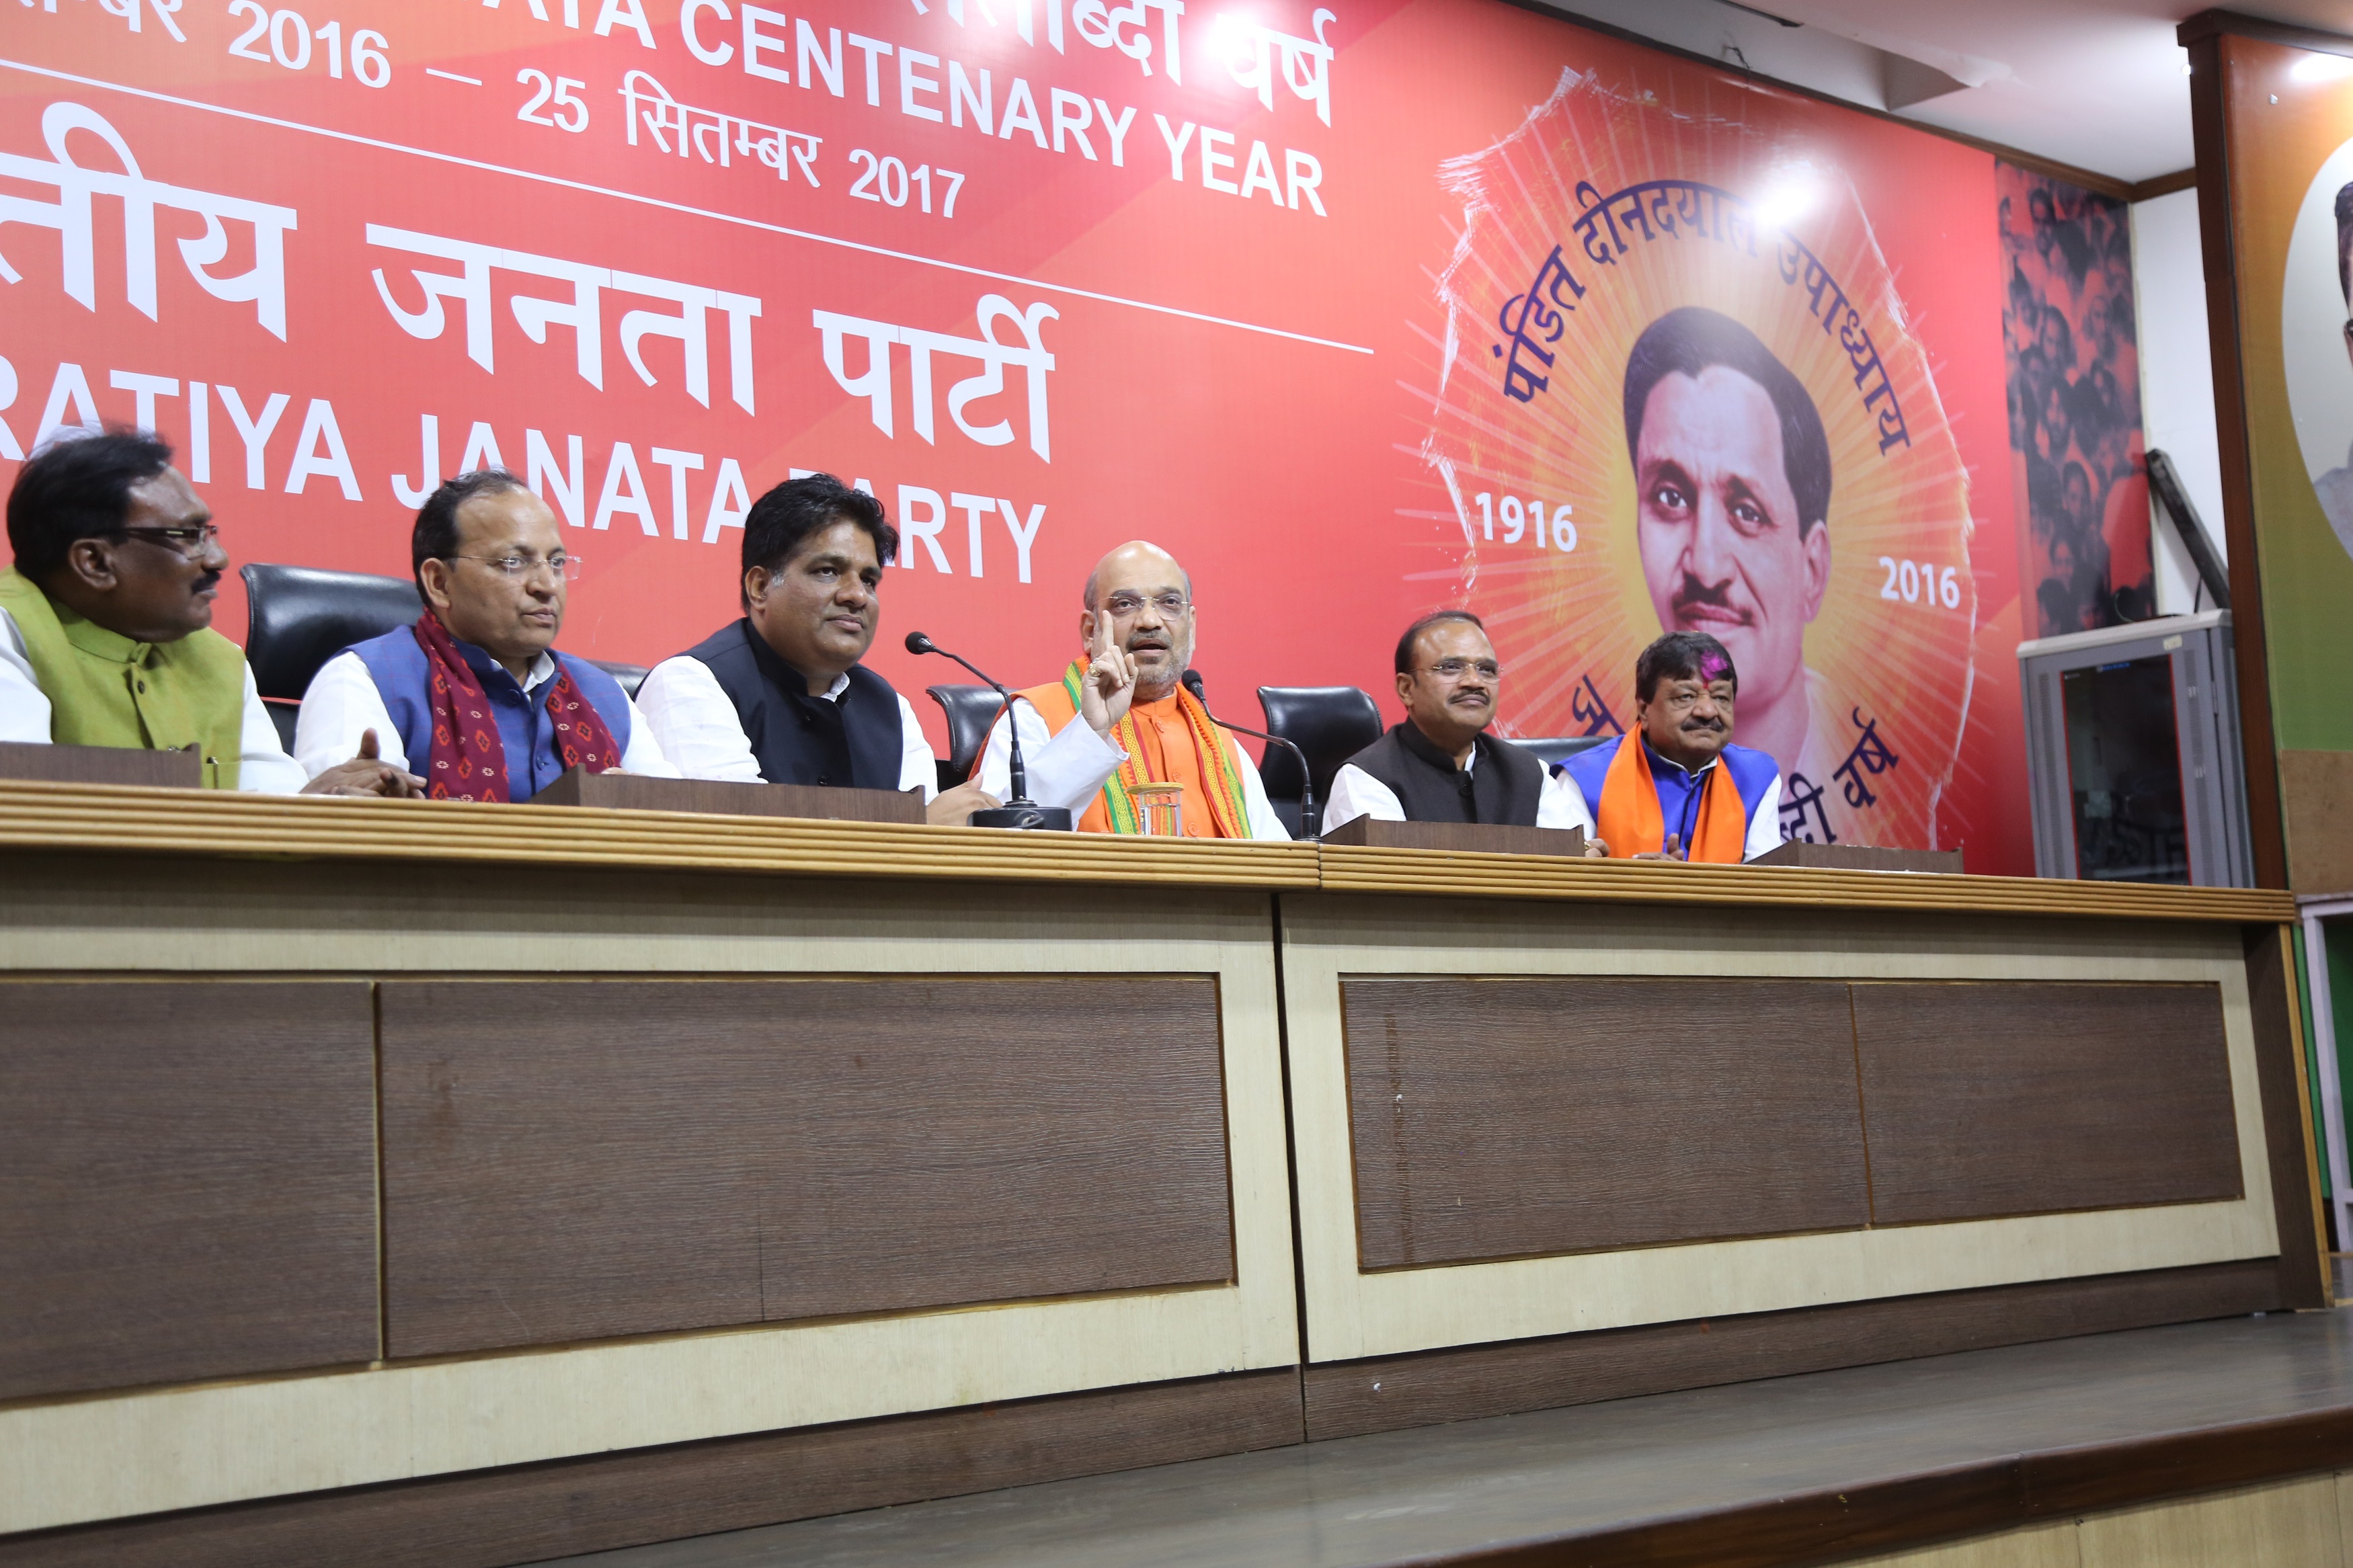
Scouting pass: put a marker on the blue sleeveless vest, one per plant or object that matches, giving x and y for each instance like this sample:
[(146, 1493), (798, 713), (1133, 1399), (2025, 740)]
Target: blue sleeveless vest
[(399, 668)]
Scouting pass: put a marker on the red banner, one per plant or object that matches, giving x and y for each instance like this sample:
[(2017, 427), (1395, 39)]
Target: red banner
[(1340, 306)]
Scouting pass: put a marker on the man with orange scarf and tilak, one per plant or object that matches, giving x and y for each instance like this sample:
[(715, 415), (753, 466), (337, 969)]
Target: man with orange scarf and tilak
[(1677, 788), (1119, 716)]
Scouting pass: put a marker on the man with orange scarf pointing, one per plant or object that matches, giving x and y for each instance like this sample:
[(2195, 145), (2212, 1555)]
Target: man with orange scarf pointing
[(1119, 716), (1677, 788)]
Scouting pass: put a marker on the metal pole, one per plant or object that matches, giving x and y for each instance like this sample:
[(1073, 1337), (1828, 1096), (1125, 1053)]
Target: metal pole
[(2323, 1045)]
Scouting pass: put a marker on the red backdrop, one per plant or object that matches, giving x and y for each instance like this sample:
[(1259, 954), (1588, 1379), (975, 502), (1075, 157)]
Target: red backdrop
[(1272, 380)]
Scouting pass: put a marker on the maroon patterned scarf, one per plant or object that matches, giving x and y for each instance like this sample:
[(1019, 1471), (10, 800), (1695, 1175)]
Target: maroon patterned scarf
[(469, 761)]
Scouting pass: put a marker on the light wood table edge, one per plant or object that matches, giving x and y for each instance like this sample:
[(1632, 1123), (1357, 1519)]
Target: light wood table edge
[(36, 815), (130, 819), (1353, 869)]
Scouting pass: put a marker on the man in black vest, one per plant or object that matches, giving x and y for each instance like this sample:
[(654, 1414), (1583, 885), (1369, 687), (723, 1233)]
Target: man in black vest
[(1440, 764), (780, 695)]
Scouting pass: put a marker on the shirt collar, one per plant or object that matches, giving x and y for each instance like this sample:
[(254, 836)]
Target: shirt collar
[(485, 667), (833, 693), (1420, 745), (1658, 762)]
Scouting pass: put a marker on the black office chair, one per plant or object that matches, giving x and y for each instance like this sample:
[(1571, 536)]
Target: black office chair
[(298, 618), (971, 710), (1551, 749), (1330, 723), (630, 676)]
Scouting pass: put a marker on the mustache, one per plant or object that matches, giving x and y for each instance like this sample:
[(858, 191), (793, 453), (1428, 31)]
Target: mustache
[(1694, 592), (1703, 725), (209, 580)]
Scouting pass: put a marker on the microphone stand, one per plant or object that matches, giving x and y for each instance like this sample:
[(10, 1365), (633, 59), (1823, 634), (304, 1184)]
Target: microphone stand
[(1020, 811), (1307, 820)]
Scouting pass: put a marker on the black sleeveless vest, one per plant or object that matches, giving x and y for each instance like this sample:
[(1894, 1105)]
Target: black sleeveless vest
[(1504, 787), (851, 742)]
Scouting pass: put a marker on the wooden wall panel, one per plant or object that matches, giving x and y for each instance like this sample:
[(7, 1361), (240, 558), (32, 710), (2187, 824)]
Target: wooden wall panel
[(571, 1160), (1991, 1098), (1511, 1117), (187, 1181)]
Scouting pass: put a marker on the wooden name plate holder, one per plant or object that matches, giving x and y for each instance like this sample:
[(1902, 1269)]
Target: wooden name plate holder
[(637, 791), (1459, 837), (101, 765), (1861, 857)]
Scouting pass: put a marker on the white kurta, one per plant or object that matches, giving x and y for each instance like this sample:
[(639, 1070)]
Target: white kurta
[(1355, 793), (696, 721), (262, 766), (342, 702), (1066, 768)]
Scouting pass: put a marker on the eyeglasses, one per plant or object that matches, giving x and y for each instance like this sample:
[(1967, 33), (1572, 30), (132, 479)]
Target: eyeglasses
[(565, 566), (1125, 606), (1456, 668), (192, 541)]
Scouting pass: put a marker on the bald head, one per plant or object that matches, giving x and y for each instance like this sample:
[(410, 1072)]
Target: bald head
[(1142, 600), (1136, 555)]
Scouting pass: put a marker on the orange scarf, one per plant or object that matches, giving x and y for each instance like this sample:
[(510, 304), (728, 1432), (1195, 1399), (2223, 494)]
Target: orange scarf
[(1628, 818), (1197, 754)]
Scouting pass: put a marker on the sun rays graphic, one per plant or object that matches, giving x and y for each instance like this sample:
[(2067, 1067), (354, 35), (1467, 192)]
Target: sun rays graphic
[(1689, 208)]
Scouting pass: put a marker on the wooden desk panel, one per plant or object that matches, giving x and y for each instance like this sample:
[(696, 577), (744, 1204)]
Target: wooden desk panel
[(187, 1182), (1501, 1118), (2003, 1099), (31, 760), (108, 885), (1140, 960), (572, 1159), (1494, 981)]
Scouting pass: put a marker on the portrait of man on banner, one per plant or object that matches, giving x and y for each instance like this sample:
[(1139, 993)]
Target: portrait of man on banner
[(2316, 338), (1732, 476), (1693, 348)]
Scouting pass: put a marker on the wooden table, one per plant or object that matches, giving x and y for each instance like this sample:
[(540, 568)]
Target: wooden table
[(559, 1177)]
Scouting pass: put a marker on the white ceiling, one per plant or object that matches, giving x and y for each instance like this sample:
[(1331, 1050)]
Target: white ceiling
[(2098, 84)]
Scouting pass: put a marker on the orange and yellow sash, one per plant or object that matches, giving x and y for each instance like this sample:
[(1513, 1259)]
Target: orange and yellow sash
[(1114, 809), (1627, 819)]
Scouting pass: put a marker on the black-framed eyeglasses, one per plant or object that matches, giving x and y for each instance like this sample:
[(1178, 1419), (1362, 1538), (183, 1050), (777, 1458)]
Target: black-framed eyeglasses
[(191, 540), (1125, 605), (564, 565)]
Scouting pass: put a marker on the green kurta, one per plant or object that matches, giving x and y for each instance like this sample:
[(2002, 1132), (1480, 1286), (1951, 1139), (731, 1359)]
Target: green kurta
[(105, 691)]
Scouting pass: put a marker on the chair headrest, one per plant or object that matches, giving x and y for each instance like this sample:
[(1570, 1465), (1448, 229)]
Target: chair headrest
[(970, 711), (1330, 723), (629, 676), (1550, 748), (298, 618)]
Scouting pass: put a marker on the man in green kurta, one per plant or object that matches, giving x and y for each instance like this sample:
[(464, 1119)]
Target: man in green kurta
[(106, 634)]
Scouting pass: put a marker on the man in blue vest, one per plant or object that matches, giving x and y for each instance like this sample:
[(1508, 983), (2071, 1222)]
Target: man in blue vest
[(479, 703), (779, 695)]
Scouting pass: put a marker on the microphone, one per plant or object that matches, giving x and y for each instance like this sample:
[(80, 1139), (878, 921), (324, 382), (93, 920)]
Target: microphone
[(1020, 811), (1307, 823)]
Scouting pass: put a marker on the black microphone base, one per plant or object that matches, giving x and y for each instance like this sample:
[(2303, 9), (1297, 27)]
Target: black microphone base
[(1042, 818)]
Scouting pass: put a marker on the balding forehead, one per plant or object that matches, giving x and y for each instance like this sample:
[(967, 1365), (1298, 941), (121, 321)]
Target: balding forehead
[(1139, 567)]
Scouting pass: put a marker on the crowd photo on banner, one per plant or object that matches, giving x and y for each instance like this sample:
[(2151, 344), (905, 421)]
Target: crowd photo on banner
[(2074, 403)]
